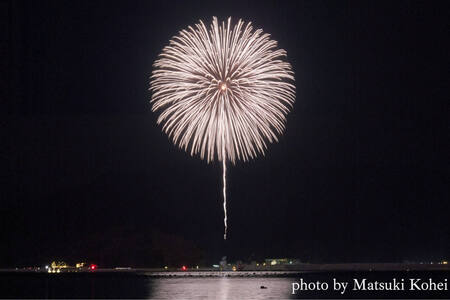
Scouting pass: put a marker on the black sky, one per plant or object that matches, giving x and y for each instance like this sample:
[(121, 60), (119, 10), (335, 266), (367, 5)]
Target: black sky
[(360, 175)]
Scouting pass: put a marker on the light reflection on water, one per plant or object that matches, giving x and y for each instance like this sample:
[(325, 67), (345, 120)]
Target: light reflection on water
[(185, 285), (219, 288)]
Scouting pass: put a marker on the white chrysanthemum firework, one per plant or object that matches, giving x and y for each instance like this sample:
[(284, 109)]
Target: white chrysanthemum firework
[(222, 92)]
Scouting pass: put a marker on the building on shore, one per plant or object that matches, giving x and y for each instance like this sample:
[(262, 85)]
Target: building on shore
[(282, 261)]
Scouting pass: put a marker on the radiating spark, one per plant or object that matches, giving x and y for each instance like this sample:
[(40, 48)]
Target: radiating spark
[(222, 93)]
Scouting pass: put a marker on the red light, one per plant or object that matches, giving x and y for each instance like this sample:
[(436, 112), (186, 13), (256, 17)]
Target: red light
[(93, 267), (184, 268)]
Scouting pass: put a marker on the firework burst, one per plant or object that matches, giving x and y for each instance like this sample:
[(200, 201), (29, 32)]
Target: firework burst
[(222, 93)]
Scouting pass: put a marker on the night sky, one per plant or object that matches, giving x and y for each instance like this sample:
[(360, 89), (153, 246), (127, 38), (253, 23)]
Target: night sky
[(360, 175)]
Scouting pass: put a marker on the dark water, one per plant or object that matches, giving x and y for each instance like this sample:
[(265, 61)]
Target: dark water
[(141, 285)]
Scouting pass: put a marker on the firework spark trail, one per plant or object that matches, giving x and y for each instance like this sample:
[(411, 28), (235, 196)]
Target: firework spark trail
[(222, 93), (224, 177)]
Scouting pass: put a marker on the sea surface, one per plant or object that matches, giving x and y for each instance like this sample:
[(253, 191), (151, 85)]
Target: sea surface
[(215, 285)]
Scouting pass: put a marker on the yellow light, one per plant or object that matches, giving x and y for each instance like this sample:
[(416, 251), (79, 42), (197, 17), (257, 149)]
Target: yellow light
[(234, 268), (223, 86), (264, 264), (257, 265), (166, 267), (445, 262)]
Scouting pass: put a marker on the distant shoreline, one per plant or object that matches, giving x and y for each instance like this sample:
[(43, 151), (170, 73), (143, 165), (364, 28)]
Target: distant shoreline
[(245, 269)]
